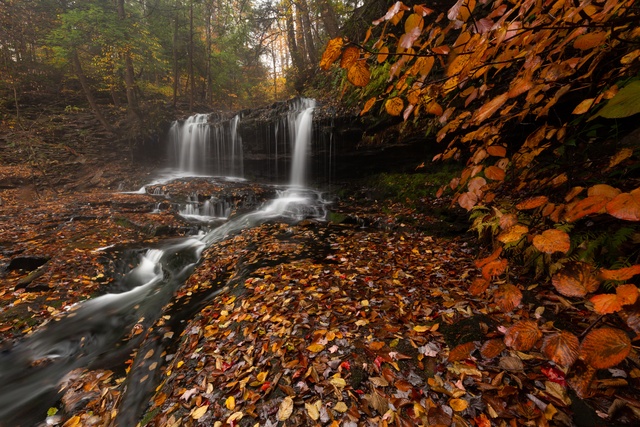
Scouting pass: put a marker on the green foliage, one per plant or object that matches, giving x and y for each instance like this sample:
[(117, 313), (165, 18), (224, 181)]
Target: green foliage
[(624, 104)]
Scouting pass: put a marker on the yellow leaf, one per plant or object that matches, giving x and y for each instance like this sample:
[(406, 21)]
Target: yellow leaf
[(331, 53), (72, 422), (230, 403), (349, 56), (286, 409), (340, 407), (262, 376), (234, 417), (394, 106), (414, 20), (313, 409), (584, 106), (420, 328), (338, 382), (358, 74), (198, 413), (315, 348), (367, 105)]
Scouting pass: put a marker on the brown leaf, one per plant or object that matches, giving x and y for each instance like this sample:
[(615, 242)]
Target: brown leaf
[(562, 348), (532, 203), (461, 352), (523, 335), (358, 74), (468, 200), (605, 347), (458, 405), (492, 348), (331, 53), (575, 279), (508, 220), (606, 303), (584, 106), (394, 106), (588, 206), (620, 274), (507, 297), (625, 206), (619, 157), (551, 241)]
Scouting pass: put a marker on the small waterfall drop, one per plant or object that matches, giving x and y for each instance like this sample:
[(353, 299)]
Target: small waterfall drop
[(303, 133)]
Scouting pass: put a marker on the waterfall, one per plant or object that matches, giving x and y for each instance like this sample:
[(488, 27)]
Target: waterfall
[(303, 132), (198, 147), (278, 148)]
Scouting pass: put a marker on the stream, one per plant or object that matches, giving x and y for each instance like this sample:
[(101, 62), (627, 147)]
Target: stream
[(96, 333)]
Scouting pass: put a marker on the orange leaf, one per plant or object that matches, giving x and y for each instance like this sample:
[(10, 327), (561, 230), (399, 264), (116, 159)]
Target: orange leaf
[(507, 297), (513, 234), (497, 150), (590, 40), (424, 64), (523, 335), (383, 54), (394, 106), (476, 184), (368, 105), (349, 57), (621, 273), (494, 268), (584, 106), (562, 348), (620, 156), (484, 261), (575, 279), (358, 74), (461, 351), (603, 190), (625, 206), (588, 206), (627, 294), (478, 286), (489, 108), (492, 348), (551, 241), (494, 173), (605, 347), (413, 21), (573, 193), (532, 203), (331, 53), (606, 303), (441, 50)]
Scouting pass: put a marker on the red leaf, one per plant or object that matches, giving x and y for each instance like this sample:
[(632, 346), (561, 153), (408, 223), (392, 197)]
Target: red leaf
[(555, 375)]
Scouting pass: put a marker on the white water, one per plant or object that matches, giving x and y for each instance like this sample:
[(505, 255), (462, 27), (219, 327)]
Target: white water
[(303, 134)]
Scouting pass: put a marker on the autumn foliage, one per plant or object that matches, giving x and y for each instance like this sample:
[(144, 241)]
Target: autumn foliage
[(523, 91)]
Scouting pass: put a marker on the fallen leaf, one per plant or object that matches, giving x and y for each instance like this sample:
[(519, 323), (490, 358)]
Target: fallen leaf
[(285, 410), (620, 274), (199, 412), (575, 279), (523, 335), (561, 347), (605, 347), (552, 240)]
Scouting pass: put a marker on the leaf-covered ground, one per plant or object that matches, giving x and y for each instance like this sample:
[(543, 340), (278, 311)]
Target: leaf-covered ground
[(363, 320)]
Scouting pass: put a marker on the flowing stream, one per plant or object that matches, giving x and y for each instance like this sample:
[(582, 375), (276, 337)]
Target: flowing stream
[(96, 333)]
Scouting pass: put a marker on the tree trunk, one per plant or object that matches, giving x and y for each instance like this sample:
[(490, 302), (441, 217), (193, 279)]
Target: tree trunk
[(129, 77), (209, 80), (176, 73), (191, 76), (296, 57), (300, 38), (87, 92), (307, 31), (329, 18)]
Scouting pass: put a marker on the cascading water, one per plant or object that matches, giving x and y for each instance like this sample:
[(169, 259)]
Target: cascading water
[(96, 334)]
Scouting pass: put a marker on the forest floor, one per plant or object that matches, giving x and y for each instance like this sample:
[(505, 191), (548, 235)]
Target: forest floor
[(369, 318)]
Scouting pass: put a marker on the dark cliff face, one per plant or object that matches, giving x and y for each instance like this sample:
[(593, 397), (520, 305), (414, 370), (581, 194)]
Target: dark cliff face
[(343, 145)]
